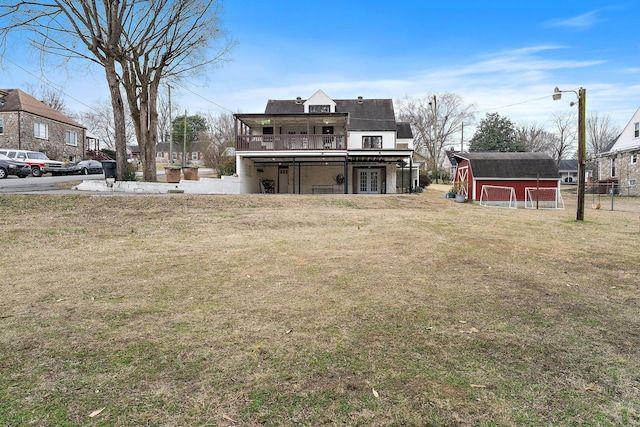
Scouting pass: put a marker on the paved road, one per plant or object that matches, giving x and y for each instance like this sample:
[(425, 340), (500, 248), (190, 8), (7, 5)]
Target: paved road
[(44, 184)]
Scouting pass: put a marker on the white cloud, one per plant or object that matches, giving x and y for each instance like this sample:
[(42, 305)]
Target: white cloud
[(580, 22)]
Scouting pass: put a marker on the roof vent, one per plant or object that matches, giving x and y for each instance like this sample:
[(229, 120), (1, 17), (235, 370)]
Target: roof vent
[(360, 100), (298, 100)]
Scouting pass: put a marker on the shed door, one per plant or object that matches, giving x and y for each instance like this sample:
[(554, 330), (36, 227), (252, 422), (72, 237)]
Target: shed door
[(463, 176)]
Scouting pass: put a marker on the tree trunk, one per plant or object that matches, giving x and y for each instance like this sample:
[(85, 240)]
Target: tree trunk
[(118, 118)]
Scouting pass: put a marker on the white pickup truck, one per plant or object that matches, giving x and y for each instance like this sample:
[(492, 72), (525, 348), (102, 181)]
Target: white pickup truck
[(39, 162)]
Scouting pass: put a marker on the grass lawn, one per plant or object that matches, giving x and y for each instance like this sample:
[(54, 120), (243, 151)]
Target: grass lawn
[(317, 310)]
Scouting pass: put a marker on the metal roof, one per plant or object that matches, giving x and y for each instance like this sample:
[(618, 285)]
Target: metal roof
[(500, 165)]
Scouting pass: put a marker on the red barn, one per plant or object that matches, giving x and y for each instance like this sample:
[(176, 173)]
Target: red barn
[(497, 169)]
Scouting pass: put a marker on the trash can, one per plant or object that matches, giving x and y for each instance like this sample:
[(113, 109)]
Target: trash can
[(109, 167), (172, 174), (190, 173)]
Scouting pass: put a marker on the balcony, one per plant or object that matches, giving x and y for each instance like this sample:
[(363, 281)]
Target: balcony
[(290, 142)]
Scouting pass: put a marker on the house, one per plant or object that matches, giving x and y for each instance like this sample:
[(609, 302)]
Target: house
[(505, 169), (324, 145), (28, 124), (193, 156), (619, 162), (568, 171)]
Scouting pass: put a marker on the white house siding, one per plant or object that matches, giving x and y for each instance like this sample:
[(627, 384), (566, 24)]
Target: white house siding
[(354, 140)]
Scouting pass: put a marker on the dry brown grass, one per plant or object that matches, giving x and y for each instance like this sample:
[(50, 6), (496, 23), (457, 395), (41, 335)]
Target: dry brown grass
[(285, 310)]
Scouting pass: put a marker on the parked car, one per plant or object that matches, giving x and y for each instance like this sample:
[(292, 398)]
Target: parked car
[(39, 162), (85, 167), (9, 166)]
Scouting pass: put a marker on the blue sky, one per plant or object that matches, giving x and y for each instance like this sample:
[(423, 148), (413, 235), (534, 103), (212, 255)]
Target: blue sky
[(500, 56)]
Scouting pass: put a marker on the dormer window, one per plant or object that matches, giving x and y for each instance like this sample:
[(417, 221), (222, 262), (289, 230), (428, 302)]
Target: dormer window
[(319, 108)]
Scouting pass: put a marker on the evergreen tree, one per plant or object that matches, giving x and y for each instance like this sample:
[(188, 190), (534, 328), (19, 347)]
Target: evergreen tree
[(496, 133)]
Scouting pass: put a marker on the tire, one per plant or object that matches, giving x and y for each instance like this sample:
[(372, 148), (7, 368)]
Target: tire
[(85, 171), (36, 171), (3, 173)]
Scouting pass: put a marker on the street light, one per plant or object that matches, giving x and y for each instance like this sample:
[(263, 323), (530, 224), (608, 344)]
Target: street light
[(582, 144)]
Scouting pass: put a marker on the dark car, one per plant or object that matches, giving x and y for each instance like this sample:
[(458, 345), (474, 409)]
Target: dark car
[(9, 166), (85, 167)]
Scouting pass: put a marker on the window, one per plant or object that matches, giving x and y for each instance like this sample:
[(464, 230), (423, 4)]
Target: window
[(371, 142), (636, 131), (71, 138), (1, 125), (613, 167), (41, 130), (194, 155), (634, 159), (632, 183), (319, 108)]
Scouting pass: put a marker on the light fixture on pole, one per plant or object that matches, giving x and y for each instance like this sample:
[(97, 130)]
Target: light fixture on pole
[(582, 145)]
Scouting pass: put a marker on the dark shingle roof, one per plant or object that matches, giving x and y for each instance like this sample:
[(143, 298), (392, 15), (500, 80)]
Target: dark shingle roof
[(568, 165), (365, 114), (510, 165), (404, 130), (17, 100)]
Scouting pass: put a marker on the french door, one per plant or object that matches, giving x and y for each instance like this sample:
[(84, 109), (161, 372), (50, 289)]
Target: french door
[(369, 181)]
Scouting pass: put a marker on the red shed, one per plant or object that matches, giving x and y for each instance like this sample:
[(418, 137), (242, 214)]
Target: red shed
[(516, 170)]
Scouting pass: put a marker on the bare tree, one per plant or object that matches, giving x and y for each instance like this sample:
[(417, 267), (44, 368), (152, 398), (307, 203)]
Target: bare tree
[(435, 120), (534, 137), (600, 132), (216, 141), (138, 43), (49, 97), (565, 125), (99, 121)]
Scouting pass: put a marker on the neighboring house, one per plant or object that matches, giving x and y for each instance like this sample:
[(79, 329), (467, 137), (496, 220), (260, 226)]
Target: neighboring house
[(28, 124), (502, 169), (193, 156), (621, 161), (324, 145), (568, 171), (449, 163)]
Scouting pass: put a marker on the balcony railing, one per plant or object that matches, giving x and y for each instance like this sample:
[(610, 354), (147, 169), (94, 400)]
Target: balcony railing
[(290, 142)]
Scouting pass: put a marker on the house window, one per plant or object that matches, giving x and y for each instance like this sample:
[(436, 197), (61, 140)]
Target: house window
[(194, 155), (634, 159), (632, 183), (319, 108), (613, 167), (41, 130), (371, 142), (71, 138), (636, 131), (1, 125)]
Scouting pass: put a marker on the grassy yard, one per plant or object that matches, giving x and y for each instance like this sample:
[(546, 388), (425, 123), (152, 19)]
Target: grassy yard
[(317, 310)]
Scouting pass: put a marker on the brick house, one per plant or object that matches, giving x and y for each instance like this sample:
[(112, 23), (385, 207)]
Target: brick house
[(620, 161), (28, 124)]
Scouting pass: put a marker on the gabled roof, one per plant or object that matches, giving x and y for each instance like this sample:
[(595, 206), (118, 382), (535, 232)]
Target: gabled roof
[(17, 100), (499, 165), (568, 165), (627, 140), (404, 130), (364, 114)]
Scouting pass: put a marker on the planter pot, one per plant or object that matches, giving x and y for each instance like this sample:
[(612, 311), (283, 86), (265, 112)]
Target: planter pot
[(460, 198), (190, 173), (172, 174)]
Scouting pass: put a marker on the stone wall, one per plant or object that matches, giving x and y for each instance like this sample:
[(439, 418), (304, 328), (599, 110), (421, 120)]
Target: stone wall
[(19, 134)]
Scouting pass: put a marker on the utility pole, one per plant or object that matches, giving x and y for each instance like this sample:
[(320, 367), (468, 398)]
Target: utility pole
[(170, 130), (184, 140), (435, 133), (582, 145), (582, 152)]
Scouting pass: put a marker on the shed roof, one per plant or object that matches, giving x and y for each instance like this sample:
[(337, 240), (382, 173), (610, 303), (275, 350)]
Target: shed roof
[(17, 100), (499, 165)]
